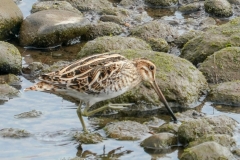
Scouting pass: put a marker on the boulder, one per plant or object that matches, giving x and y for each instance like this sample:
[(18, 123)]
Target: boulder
[(52, 27), (11, 18), (220, 8)]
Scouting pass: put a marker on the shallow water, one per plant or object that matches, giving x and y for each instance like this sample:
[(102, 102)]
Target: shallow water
[(52, 131)]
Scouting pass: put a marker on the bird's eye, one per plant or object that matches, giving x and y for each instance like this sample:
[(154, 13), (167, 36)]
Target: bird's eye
[(151, 67)]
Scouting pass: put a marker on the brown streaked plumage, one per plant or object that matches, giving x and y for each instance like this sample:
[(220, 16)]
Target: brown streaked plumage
[(100, 77)]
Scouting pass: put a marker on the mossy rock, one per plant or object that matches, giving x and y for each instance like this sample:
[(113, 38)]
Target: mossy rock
[(199, 48), (52, 27), (11, 18), (180, 82), (108, 43), (220, 8), (103, 29), (188, 8), (11, 59), (226, 93), (222, 66), (207, 150)]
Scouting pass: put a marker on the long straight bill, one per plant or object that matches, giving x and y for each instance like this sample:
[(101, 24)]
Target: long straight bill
[(163, 100)]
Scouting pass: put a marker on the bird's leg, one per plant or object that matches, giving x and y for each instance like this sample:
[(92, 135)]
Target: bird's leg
[(112, 106), (79, 113)]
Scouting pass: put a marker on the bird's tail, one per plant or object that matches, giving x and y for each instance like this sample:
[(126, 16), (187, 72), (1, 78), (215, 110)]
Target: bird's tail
[(40, 86)]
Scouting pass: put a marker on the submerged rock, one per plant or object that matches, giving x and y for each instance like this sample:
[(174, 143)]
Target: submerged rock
[(222, 66), (126, 130), (227, 93), (30, 114), (207, 150), (52, 27), (11, 59), (11, 18), (160, 141), (14, 133)]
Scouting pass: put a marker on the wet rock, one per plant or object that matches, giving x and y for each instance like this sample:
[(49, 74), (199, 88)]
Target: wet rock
[(222, 66), (160, 141), (11, 59), (226, 93), (222, 139), (88, 138), (215, 39), (234, 1), (154, 122), (52, 27), (131, 4), (103, 29), (221, 8), (181, 83), (126, 130), (207, 150), (108, 43), (112, 18), (207, 23), (188, 1), (9, 79), (30, 114), (185, 37), (193, 129), (155, 29), (11, 18), (58, 5), (7, 92), (188, 115), (163, 3), (188, 8), (14, 133), (159, 44), (169, 127)]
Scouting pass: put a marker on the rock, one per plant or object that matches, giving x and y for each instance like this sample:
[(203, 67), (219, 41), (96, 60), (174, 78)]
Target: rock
[(222, 66), (108, 43), (160, 141), (215, 39), (185, 37), (222, 139), (126, 130), (159, 44), (207, 23), (193, 129), (226, 93), (234, 1), (30, 114), (163, 3), (189, 115), (169, 127), (207, 150), (183, 2), (191, 7), (14, 133), (220, 8), (11, 59), (9, 79), (52, 27), (130, 4), (181, 83), (11, 18), (88, 138), (112, 18), (103, 29), (58, 5), (155, 29), (7, 92)]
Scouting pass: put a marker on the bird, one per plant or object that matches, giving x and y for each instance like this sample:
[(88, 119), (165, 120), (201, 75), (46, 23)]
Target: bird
[(100, 77)]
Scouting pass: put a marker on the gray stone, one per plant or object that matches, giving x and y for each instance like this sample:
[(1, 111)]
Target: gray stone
[(52, 27), (11, 18), (163, 3), (207, 150), (14, 133), (126, 130), (7, 92), (29, 114), (11, 59), (160, 141)]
